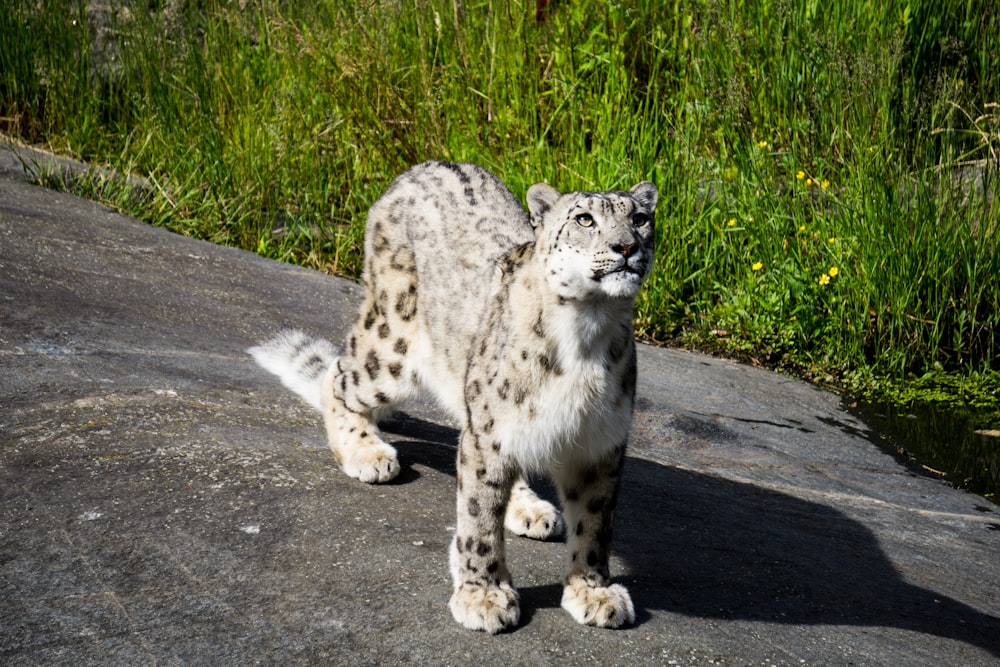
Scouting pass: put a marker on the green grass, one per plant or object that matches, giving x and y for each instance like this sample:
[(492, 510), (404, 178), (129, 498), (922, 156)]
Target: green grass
[(818, 162)]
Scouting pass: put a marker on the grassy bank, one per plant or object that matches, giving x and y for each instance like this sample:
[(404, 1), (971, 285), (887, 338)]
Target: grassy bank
[(827, 170)]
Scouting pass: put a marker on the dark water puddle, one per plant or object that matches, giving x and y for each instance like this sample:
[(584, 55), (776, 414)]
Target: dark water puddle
[(960, 446)]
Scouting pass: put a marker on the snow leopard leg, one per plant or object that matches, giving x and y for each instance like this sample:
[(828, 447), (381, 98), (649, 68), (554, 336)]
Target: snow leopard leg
[(373, 375), (589, 494), (484, 598)]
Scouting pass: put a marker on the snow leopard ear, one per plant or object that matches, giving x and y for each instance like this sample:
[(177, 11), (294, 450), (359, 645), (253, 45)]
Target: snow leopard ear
[(541, 198), (645, 193)]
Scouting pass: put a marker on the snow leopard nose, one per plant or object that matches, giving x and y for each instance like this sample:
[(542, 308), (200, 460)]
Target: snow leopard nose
[(624, 249)]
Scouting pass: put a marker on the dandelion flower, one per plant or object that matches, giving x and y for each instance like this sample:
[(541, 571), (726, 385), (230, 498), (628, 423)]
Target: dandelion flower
[(757, 266), (824, 279), (800, 175), (833, 271)]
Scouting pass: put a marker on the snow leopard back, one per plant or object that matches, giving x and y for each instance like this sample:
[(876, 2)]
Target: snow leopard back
[(432, 245)]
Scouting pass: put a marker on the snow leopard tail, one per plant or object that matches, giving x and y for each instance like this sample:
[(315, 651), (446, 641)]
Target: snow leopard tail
[(300, 361)]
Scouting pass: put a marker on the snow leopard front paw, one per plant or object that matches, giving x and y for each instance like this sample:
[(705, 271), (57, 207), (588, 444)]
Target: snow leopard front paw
[(530, 516), (374, 463), (492, 608), (601, 606)]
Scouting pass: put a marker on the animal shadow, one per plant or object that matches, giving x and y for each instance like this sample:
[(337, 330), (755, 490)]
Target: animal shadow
[(708, 547)]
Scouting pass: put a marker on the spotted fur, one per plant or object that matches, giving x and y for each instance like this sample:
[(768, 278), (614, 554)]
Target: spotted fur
[(520, 323)]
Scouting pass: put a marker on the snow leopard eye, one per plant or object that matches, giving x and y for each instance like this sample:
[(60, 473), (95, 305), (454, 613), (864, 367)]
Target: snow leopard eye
[(584, 219), (640, 219)]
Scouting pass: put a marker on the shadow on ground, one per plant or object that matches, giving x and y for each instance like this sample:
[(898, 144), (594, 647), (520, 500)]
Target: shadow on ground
[(707, 547)]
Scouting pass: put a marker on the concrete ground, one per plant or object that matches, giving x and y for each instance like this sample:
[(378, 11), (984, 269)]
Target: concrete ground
[(164, 501)]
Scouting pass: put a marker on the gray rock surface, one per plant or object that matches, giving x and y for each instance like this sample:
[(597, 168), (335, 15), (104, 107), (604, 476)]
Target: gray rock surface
[(164, 501)]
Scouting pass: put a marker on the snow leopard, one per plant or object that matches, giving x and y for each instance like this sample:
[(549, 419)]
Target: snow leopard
[(520, 323)]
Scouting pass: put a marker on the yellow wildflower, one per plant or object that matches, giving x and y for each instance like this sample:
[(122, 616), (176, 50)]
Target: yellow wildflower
[(800, 175), (832, 239), (809, 182), (757, 266), (731, 223), (761, 144), (833, 271), (802, 228), (824, 279), (824, 184)]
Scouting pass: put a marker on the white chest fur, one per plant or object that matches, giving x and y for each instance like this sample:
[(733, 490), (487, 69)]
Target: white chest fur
[(582, 408)]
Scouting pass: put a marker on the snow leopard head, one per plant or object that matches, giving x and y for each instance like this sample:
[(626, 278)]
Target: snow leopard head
[(595, 244)]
